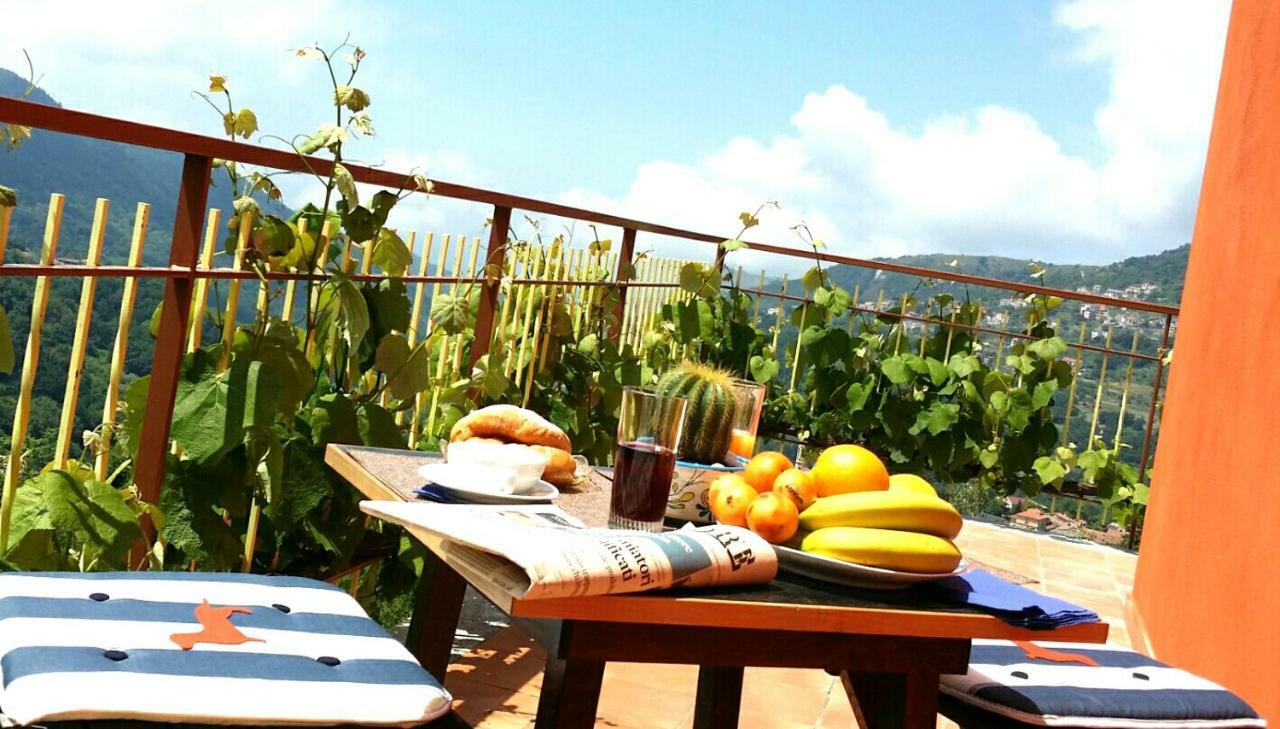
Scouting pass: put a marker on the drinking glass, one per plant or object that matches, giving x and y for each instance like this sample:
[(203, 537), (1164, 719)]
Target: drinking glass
[(750, 397), (649, 428)]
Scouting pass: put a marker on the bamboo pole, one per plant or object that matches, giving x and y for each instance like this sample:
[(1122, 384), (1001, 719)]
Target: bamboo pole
[(1004, 322), (79, 342), (251, 536), (460, 338), (777, 324), (313, 300), (902, 324), (415, 324), (30, 360), (539, 265), (233, 288), (1097, 398), (6, 216), (1071, 390), (575, 294), (128, 296), (951, 330), (924, 326), (548, 312), (849, 324), (291, 286), (511, 303), (200, 296), (443, 356), (1124, 392)]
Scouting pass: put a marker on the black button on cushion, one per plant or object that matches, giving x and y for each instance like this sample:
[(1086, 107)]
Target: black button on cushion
[(328, 660), (1019, 674), (1141, 676), (115, 655), (281, 608), (99, 597)]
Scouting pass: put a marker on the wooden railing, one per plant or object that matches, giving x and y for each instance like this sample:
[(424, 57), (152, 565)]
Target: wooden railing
[(191, 272)]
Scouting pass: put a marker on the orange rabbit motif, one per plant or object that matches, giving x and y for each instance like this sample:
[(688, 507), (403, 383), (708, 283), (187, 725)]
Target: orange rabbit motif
[(216, 627), (1041, 653)]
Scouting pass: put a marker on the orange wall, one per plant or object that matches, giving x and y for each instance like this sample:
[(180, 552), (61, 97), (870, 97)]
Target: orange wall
[(1208, 583)]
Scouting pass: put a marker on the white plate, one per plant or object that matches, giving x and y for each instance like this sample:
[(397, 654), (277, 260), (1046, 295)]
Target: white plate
[(442, 476), (853, 575)]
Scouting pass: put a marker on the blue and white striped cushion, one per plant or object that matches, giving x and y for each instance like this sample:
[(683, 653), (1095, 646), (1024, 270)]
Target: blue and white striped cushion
[(1124, 689), (98, 646)]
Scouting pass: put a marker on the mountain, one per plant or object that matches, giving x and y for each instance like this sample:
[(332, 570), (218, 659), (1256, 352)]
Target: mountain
[(1164, 270)]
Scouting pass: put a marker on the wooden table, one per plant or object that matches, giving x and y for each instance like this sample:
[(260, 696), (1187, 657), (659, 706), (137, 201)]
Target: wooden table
[(889, 647)]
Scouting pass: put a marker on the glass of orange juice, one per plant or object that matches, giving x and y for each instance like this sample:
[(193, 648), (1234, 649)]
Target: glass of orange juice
[(750, 397)]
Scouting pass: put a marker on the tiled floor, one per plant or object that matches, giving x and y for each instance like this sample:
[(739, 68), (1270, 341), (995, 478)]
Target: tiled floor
[(496, 684)]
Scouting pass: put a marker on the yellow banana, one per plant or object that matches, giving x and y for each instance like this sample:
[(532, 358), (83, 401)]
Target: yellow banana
[(887, 548), (912, 483), (892, 509)]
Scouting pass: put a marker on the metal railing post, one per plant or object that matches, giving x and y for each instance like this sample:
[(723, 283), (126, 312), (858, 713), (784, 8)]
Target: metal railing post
[(493, 261), (623, 275), (1149, 433), (166, 361)]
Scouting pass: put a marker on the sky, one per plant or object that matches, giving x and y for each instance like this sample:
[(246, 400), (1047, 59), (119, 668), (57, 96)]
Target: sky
[(1068, 131)]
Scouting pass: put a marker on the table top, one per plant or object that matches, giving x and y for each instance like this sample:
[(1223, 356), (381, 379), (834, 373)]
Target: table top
[(790, 602)]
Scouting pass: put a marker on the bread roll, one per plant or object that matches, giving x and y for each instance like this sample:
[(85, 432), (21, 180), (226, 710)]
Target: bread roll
[(511, 424)]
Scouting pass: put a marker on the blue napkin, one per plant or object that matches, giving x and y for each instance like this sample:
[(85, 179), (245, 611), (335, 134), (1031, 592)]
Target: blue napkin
[(1012, 603), (432, 492)]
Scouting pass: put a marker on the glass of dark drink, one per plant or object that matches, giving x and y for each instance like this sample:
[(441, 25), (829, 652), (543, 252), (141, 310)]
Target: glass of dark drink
[(649, 427)]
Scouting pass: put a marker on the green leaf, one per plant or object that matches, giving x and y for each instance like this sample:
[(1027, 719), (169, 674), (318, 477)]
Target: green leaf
[(749, 220), (1049, 349), (194, 524), (135, 408), (273, 237), (390, 253), (938, 418), (7, 359), (408, 371), (333, 420), (1043, 394), (244, 124), (964, 365), (346, 185), (988, 458), (812, 279), (90, 518), (450, 313), (266, 456), (858, 394), (302, 493), (896, 369), (378, 427), (280, 350), (731, 245), (763, 370), (1049, 469), (699, 280), (351, 97), (1019, 409), (212, 411), (353, 311), (938, 372)]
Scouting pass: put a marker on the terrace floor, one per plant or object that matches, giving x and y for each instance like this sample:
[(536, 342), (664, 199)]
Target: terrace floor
[(496, 683)]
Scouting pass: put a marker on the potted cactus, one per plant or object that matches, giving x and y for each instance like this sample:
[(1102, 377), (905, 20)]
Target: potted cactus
[(710, 416)]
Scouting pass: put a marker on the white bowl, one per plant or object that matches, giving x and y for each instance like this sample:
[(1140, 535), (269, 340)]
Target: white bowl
[(524, 464)]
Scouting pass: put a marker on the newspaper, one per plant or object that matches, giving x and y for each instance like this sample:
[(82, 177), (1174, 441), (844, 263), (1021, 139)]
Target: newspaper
[(541, 551)]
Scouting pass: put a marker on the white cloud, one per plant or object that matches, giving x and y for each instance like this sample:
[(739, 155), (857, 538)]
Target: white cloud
[(986, 180)]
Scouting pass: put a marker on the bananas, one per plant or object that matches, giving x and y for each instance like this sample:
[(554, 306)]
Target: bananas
[(893, 509), (886, 548)]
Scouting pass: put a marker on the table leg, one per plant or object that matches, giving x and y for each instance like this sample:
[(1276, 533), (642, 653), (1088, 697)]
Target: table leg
[(570, 693), (894, 700), (719, 696), (437, 603)]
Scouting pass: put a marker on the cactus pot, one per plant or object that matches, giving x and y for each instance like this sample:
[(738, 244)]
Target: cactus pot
[(689, 498)]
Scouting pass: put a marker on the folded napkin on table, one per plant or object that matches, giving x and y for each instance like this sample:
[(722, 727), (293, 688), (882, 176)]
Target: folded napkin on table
[(431, 492), (1012, 603)]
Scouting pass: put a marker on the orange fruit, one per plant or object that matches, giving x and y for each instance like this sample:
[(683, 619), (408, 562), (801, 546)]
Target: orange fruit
[(774, 517), (796, 485), (721, 481), (844, 468), (911, 483), (764, 469), (730, 502)]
